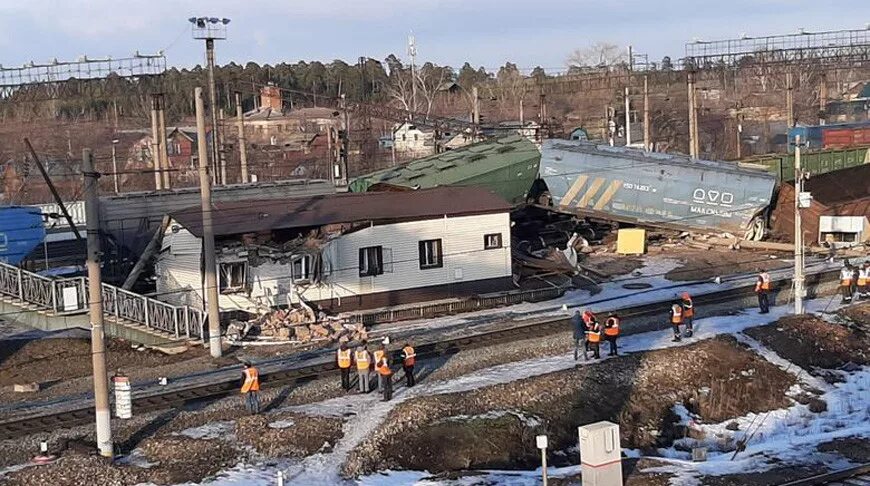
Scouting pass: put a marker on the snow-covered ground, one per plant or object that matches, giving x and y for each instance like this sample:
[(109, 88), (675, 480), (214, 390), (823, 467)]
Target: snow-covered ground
[(788, 434)]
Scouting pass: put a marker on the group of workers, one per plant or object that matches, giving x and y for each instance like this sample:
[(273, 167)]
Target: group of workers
[(590, 332), (378, 361), (855, 279)]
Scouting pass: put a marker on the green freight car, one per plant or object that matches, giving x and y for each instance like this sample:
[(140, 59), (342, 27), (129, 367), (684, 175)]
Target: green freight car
[(815, 162), (506, 166)]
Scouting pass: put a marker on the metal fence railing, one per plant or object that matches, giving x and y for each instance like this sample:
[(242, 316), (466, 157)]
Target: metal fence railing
[(70, 296)]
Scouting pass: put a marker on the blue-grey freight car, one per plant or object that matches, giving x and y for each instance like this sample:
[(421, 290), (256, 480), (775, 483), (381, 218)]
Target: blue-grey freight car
[(656, 189)]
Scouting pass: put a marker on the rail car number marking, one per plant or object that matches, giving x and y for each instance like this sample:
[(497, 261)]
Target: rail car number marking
[(638, 187)]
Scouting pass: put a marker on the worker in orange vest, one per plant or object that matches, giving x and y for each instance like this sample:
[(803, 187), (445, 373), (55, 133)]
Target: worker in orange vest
[(846, 274), (593, 339), (611, 332), (589, 322), (386, 376), (762, 289), (345, 360), (251, 388), (362, 358), (379, 353), (864, 281), (408, 361), (688, 312), (676, 319)]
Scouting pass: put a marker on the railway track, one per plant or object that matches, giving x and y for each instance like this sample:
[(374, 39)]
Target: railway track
[(853, 476), (312, 365)]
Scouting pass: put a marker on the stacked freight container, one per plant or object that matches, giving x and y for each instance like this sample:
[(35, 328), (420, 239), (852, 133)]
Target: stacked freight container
[(815, 162)]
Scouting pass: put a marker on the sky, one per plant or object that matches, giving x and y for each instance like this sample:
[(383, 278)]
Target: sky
[(484, 32)]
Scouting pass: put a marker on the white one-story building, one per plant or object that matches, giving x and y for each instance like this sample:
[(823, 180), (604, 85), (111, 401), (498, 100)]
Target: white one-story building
[(343, 252)]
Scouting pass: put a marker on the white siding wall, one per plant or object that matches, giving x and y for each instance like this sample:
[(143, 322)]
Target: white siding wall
[(464, 257), (178, 265)]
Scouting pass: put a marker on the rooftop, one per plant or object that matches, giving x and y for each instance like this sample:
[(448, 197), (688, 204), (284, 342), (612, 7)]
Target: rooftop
[(254, 216)]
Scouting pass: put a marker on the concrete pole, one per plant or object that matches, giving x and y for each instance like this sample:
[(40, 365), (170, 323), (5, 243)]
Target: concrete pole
[(695, 124), (475, 106), (95, 307), (690, 81), (345, 143), (164, 149), (627, 118), (798, 231), (155, 144), (211, 284), (212, 101), (823, 98), (522, 114), (115, 167), (646, 124), (243, 149), (789, 99)]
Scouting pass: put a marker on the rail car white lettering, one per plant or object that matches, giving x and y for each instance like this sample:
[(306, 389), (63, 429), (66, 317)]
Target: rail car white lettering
[(712, 197), (637, 187)]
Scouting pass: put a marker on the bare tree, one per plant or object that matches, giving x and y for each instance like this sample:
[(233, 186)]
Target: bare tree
[(596, 55), (430, 79)]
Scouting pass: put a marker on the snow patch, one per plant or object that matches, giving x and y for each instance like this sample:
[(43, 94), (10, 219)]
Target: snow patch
[(213, 430), (281, 424)]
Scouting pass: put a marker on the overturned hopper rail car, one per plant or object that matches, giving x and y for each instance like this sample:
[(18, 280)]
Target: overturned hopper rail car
[(655, 189)]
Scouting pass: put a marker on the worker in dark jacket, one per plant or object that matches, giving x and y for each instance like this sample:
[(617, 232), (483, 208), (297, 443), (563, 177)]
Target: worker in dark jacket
[(611, 332), (579, 330), (762, 289), (409, 358)]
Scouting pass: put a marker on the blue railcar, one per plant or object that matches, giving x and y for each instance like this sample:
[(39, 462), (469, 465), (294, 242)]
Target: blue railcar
[(21, 230)]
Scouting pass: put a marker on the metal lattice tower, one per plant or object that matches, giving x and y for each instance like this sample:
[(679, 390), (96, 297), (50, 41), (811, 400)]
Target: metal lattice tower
[(803, 46)]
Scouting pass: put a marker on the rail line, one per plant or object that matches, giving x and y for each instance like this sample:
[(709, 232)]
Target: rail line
[(309, 366), (853, 476)]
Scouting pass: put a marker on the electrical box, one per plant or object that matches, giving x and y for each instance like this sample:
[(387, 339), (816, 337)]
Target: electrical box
[(631, 241), (805, 200), (600, 454)]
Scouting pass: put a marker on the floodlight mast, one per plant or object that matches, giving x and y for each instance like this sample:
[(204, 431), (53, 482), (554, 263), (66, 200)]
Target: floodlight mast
[(210, 29)]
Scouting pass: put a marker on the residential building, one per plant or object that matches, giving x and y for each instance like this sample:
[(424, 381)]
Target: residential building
[(342, 252), (412, 141)]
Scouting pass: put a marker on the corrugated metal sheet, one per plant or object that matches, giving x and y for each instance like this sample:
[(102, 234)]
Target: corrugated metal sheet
[(653, 188), (132, 218), (782, 216), (506, 166)]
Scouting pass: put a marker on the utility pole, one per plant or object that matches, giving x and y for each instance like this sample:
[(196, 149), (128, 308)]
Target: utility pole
[(646, 125), (53, 189), (95, 307), (115, 166), (412, 52), (738, 118), (789, 99), (798, 231), (211, 283), (690, 81), (627, 116), (344, 148), (243, 149), (823, 98), (522, 115), (155, 143), (475, 106), (164, 148), (209, 29)]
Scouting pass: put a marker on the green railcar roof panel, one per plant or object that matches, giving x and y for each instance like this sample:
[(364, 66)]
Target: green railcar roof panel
[(506, 166)]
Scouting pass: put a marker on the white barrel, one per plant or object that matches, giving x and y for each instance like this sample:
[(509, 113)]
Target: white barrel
[(123, 397)]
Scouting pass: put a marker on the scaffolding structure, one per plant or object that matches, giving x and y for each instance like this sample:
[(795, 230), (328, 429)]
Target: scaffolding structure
[(55, 77), (803, 46)]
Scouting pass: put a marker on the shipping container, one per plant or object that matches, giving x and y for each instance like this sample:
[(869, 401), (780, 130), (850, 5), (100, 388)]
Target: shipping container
[(656, 189), (815, 162), (21, 230), (838, 135)]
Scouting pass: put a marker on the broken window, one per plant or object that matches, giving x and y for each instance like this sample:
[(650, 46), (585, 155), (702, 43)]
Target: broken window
[(371, 261), (301, 268), (492, 241), (430, 254), (232, 276)]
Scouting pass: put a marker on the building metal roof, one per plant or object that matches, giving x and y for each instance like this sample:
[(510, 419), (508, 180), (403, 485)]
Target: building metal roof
[(454, 166), (254, 216)]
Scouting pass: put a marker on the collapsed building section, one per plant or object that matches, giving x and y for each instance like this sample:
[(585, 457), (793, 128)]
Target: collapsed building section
[(342, 252)]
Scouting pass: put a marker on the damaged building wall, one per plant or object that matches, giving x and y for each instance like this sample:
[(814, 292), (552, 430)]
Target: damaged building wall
[(179, 276)]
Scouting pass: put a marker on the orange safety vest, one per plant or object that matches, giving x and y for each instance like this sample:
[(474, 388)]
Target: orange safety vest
[(362, 359), (863, 277), (676, 314), (846, 277), (252, 380), (588, 317), (593, 335), (611, 326), (378, 354), (763, 283), (343, 358), (688, 308), (383, 367), (409, 356)]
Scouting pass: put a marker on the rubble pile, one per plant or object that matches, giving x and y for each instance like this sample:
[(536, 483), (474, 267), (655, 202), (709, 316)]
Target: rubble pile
[(298, 326)]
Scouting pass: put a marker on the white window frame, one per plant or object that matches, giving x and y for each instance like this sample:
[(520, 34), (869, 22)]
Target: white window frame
[(431, 253), (306, 266), (224, 269)]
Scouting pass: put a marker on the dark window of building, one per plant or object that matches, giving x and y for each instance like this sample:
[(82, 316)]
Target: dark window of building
[(492, 241), (371, 261), (430, 254), (232, 276)]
